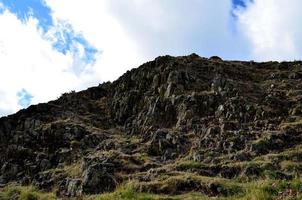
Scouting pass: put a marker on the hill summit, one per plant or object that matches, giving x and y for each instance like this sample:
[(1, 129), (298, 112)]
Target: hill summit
[(174, 128)]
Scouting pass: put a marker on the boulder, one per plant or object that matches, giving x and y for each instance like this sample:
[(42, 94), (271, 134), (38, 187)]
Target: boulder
[(167, 144), (73, 187), (98, 178)]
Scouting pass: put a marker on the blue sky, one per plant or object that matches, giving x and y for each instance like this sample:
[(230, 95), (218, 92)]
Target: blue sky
[(36, 8), (241, 3), (65, 38), (48, 47), (24, 98)]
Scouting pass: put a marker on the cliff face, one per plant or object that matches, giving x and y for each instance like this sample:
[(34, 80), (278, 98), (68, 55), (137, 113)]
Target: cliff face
[(173, 119)]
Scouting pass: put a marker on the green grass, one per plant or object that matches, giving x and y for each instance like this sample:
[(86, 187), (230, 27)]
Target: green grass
[(128, 192), (24, 193), (189, 164), (256, 190), (291, 167), (293, 153)]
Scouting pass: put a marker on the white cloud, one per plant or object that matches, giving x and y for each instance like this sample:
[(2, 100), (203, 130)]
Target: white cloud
[(175, 26), (100, 28), (28, 61), (131, 32), (180, 27), (273, 29)]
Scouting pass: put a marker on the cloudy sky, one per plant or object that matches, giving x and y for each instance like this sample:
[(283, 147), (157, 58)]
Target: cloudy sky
[(48, 47)]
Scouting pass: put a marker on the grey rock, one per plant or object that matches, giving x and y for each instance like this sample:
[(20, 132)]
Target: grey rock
[(98, 178), (73, 187)]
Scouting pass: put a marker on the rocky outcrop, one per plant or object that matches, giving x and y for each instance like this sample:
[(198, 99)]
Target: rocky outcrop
[(170, 116)]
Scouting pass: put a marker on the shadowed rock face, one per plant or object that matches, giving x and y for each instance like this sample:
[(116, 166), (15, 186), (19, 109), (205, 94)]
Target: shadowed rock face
[(170, 116)]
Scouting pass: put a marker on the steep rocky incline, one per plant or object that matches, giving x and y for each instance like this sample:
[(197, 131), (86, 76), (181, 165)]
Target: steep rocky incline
[(164, 125)]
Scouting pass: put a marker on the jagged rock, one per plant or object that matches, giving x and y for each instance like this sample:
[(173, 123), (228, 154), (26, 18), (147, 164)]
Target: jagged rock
[(92, 140), (9, 171), (99, 173), (167, 144), (73, 187), (43, 180), (98, 178)]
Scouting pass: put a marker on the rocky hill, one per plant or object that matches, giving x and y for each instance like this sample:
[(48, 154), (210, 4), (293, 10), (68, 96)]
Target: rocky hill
[(174, 128)]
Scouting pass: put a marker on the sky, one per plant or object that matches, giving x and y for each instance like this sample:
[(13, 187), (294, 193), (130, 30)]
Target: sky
[(49, 47)]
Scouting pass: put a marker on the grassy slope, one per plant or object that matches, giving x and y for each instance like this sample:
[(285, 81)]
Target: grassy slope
[(257, 190)]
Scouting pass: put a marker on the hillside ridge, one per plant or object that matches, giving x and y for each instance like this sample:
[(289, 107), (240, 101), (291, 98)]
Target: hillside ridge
[(173, 126)]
